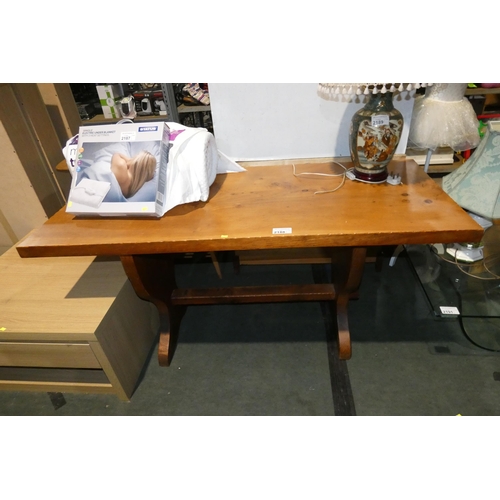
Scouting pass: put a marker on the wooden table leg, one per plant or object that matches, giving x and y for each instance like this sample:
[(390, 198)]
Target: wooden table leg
[(153, 279), (347, 271)]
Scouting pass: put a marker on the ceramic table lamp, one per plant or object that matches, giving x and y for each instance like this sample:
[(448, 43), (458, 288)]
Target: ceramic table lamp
[(444, 117), (375, 129)]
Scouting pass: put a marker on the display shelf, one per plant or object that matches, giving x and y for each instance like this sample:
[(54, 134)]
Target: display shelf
[(173, 112), (481, 91), (196, 111), (445, 168), (100, 119), (193, 109)]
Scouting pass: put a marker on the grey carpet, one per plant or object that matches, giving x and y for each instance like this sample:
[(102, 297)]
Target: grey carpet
[(272, 359)]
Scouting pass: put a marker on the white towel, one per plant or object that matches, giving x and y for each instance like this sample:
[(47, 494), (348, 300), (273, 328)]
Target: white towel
[(194, 161)]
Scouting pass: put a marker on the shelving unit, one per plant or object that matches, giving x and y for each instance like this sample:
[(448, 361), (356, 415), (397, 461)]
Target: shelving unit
[(482, 91), (491, 99), (175, 113), (197, 111), (169, 98), (100, 120), (445, 168)]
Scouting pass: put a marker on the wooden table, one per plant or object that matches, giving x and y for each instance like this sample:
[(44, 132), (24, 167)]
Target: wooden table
[(244, 212)]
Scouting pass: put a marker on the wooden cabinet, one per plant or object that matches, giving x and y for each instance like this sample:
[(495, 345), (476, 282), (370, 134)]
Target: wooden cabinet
[(72, 324)]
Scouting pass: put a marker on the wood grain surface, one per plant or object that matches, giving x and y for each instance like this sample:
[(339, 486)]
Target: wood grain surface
[(244, 208)]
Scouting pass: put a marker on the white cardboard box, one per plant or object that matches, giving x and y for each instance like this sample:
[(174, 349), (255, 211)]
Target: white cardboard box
[(110, 96), (108, 158)]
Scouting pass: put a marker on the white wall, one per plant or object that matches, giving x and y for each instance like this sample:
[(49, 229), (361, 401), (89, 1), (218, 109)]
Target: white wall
[(268, 121)]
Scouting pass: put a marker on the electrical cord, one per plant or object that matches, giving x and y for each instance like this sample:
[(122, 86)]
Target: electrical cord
[(491, 258), (392, 178), (343, 174), (459, 264)]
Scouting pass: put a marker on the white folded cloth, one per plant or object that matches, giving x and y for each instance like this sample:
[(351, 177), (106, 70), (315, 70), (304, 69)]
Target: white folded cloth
[(225, 165), (89, 192), (194, 161)]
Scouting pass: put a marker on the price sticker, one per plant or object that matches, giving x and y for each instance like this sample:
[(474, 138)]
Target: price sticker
[(282, 230), (127, 136), (380, 120), (447, 310)]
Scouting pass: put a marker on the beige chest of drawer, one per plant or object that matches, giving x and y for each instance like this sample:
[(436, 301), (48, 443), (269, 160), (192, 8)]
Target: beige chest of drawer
[(71, 324), (47, 355)]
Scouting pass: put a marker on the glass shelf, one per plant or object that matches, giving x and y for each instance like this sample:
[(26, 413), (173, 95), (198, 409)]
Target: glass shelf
[(468, 291), (469, 287)]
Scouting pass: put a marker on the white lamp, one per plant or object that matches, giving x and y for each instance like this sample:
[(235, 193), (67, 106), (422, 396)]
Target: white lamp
[(444, 117)]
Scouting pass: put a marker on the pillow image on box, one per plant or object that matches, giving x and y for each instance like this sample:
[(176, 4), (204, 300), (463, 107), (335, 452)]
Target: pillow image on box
[(130, 169)]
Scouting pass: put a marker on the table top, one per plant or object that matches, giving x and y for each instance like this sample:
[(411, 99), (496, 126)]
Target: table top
[(245, 210)]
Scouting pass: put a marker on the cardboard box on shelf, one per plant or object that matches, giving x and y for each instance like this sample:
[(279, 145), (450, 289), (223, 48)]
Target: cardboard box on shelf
[(110, 96)]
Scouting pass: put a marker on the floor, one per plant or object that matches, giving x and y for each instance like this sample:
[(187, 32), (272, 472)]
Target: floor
[(280, 359)]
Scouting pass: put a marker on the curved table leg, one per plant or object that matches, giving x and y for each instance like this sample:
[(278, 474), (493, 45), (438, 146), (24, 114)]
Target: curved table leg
[(153, 279), (347, 271)]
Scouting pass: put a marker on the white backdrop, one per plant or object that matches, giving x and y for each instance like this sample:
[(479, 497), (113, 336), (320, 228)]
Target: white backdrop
[(273, 121)]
